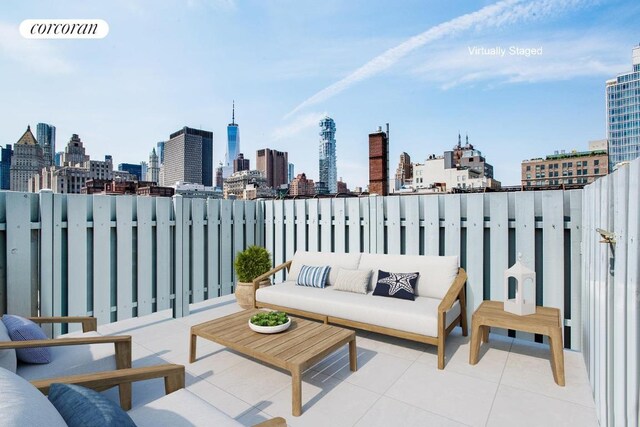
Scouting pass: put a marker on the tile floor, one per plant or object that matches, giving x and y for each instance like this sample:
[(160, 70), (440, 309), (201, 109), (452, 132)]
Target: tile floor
[(397, 382)]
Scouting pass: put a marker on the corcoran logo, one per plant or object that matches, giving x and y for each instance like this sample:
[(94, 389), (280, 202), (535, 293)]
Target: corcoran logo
[(64, 28)]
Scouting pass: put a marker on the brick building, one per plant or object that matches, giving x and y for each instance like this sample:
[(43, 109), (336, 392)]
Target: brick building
[(379, 163)]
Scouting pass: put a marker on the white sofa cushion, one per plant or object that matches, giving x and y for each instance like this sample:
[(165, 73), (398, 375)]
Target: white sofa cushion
[(8, 358), (352, 280), (72, 360), (180, 408), (436, 272), (419, 316), (21, 404), (318, 259)]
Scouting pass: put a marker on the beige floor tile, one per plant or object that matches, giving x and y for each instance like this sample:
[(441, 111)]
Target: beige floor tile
[(522, 408), (391, 412)]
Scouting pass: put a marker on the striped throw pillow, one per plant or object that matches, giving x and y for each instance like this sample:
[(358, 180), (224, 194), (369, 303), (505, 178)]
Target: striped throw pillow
[(313, 276)]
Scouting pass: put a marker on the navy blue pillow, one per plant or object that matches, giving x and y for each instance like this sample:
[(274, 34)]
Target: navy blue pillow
[(396, 285), (83, 407)]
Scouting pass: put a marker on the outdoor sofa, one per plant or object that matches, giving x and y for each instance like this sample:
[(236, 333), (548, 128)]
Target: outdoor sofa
[(439, 303)]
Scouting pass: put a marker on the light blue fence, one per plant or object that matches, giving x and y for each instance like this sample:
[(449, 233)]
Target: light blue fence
[(611, 294), (118, 257)]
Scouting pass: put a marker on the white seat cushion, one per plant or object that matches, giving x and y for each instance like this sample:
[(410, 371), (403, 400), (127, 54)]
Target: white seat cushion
[(436, 272), (72, 360), (21, 404), (180, 408), (317, 259), (419, 316)]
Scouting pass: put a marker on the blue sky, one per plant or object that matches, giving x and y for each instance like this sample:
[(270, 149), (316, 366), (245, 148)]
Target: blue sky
[(286, 63)]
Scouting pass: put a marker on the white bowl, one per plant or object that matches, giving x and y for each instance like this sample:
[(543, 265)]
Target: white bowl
[(270, 329)]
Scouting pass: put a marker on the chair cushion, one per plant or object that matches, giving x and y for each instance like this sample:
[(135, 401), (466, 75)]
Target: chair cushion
[(396, 285), (83, 407), (180, 409), (437, 273), (420, 316), (72, 360), (313, 276), (21, 404), (318, 259), (8, 359), (21, 329), (352, 280)]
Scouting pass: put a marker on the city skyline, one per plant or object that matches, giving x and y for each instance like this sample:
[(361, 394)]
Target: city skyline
[(412, 68)]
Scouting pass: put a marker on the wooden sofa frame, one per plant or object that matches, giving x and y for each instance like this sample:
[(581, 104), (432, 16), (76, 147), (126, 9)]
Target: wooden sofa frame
[(174, 378), (455, 293), (122, 344)]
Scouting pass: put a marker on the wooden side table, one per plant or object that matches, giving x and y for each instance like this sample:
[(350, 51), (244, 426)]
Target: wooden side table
[(546, 321)]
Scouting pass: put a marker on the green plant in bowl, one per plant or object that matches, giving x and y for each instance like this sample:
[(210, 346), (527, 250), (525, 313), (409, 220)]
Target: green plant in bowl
[(270, 318)]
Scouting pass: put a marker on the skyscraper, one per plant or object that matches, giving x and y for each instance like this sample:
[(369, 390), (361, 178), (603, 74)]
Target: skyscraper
[(327, 163), (26, 161), (5, 167), (379, 163), (233, 140), (46, 136), (274, 165), (404, 171), (241, 164), (153, 172), (160, 152), (623, 113), (188, 157), (133, 169), (291, 172)]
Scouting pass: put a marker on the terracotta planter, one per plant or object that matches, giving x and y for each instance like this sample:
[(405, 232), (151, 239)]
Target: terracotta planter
[(244, 293)]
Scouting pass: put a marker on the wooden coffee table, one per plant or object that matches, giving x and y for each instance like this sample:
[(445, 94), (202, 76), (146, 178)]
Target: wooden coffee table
[(302, 345)]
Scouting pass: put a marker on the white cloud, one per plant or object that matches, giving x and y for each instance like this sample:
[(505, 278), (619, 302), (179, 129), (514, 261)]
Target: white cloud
[(502, 13), (38, 55), (300, 124)]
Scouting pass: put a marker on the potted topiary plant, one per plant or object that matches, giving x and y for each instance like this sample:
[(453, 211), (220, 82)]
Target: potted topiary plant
[(250, 263)]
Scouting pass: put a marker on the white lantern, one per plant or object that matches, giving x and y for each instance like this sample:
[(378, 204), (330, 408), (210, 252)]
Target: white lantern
[(524, 277)]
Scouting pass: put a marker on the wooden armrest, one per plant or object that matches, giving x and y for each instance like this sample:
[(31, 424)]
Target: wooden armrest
[(88, 323), (257, 280), (66, 341), (273, 422), (173, 378), (454, 291)]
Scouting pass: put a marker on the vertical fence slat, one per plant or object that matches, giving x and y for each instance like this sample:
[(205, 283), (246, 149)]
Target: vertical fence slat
[(124, 259), (164, 207), (102, 258), (77, 255), (278, 240), (144, 207), (312, 209), (353, 212), (499, 246), (526, 239), (619, 294), (366, 224), (238, 227), (326, 220), (432, 225), (452, 225), (268, 228), (250, 222), (412, 225), (197, 250), (340, 229), (213, 248), (301, 224), (60, 260), (553, 250), (633, 300), (575, 237), (475, 252), (290, 231), (46, 257), (226, 255), (21, 292), (393, 225)]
